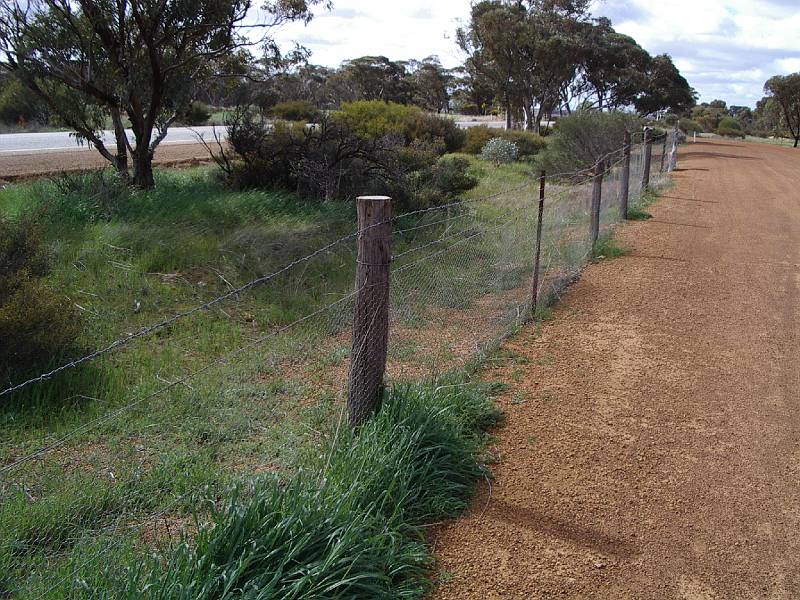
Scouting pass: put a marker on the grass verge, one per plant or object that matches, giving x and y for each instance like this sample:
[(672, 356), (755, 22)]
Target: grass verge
[(349, 524)]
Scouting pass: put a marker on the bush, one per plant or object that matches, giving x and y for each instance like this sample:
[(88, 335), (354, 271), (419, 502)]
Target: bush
[(36, 324), (730, 132), (197, 114), (730, 127), (500, 151), (333, 162), (375, 119), (528, 143), (296, 110), (690, 126), (585, 137)]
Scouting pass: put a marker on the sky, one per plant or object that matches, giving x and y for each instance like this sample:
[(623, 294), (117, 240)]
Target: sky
[(727, 49)]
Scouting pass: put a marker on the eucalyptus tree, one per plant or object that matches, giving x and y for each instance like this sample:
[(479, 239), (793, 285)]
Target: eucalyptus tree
[(140, 60), (785, 90), (665, 89)]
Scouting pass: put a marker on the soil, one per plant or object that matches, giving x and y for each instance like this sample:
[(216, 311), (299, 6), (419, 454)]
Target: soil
[(16, 167), (652, 439)]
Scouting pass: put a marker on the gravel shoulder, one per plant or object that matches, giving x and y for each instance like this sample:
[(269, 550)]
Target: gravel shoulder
[(652, 441)]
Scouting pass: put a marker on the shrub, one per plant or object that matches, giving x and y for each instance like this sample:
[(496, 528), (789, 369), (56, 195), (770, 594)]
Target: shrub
[(36, 323), (729, 123), (730, 127), (196, 114), (528, 143), (730, 132), (295, 110), (690, 126), (375, 119), (500, 151), (333, 162), (585, 137)]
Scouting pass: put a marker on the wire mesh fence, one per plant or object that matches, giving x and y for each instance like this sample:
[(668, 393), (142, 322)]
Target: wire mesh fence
[(156, 456)]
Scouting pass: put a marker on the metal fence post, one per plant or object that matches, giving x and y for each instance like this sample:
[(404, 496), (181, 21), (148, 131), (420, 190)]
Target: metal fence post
[(538, 257), (371, 313), (597, 198), (648, 158), (626, 177)]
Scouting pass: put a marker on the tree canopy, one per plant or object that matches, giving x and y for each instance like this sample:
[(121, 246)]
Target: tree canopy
[(784, 90)]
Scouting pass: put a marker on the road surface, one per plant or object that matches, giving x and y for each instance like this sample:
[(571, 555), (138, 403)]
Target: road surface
[(652, 442)]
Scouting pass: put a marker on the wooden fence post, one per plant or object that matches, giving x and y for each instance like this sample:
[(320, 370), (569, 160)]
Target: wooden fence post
[(626, 177), (663, 152), (597, 198), (371, 313), (673, 155), (538, 257), (648, 158)]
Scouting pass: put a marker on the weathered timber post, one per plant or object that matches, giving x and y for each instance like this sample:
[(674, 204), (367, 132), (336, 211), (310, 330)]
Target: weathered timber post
[(648, 158), (371, 313), (538, 257), (626, 177), (673, 155), (663, 152), (597, 198)]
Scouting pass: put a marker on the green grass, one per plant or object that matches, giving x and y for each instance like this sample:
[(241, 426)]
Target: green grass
[(638, 214), (607, 247), (349, 524)]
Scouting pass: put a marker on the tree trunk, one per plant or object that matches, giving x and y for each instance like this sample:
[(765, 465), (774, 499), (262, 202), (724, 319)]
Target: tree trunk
[(508, 114), (143, 169), (796, 141)]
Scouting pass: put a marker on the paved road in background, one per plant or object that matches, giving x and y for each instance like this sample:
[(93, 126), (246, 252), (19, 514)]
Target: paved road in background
[(54, 141)]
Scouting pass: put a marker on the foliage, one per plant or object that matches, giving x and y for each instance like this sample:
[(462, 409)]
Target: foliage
[(585, 137), (690, 126), (197, 113), (18, 105), (295, 110), (785, 90), (350, 525), (36, 323), (528, 143), (666, 89), (731, 132), (332, 161), (500, 151)]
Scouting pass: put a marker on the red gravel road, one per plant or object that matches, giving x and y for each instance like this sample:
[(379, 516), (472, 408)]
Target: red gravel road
[(652, 442), (14, 167)]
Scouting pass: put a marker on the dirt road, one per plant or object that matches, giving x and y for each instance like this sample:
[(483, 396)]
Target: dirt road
[(652, 443), (41, 164)]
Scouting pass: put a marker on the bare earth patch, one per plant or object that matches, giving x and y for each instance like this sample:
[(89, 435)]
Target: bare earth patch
[(652, 442), (20, 167)]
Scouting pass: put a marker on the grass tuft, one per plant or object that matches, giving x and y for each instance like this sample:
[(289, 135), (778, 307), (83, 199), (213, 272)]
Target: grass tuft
[(607, 247), (637, 214), (349, 525)]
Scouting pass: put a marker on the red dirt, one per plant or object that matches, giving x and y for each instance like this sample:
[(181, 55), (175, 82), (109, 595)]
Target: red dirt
[(652, 443), (14, 167)]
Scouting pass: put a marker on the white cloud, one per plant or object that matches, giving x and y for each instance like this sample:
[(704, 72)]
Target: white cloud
[(726, 48)]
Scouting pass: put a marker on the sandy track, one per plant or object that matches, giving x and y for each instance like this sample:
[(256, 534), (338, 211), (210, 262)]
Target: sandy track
[(40, 164), (652, 443)]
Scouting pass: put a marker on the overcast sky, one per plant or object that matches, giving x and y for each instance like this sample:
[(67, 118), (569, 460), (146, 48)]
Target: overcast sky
[(726, 48)]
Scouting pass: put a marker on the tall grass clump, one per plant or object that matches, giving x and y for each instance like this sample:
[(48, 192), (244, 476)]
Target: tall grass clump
[(349, 525)]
